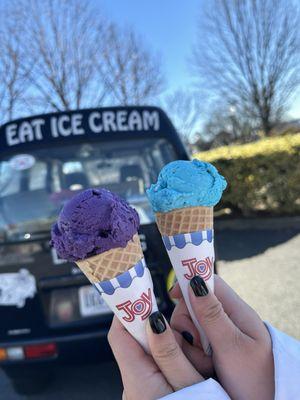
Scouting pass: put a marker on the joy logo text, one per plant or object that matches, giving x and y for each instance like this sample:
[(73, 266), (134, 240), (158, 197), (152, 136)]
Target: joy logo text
[(140, 307), (204, 268)]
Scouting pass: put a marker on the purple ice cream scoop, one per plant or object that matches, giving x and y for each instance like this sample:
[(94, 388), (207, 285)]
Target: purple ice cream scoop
[(91, 223)]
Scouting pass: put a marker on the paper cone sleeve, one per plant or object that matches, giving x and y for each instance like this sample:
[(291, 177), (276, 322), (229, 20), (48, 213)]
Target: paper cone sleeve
[(111, 263), (185, 220)]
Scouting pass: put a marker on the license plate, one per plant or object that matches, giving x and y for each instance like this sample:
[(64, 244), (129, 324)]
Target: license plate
[(91, 302)]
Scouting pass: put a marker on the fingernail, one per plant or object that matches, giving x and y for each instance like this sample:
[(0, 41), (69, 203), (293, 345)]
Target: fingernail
[(188, 337), (157, 322), (199, 287)]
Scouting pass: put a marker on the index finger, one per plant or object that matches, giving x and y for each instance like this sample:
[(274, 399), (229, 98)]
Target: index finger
[(240, 313), (168, 355)]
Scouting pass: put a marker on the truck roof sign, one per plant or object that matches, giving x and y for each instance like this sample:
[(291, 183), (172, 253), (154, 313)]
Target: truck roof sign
[(82, 124)]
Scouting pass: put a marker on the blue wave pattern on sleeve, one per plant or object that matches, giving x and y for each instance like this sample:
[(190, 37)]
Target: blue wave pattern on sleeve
[(123, 280), (182, 239)]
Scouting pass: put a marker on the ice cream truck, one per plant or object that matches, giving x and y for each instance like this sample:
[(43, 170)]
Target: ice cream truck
[(48, 310)]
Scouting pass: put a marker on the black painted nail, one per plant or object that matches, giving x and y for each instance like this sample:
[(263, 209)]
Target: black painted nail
[(199, 287), (188, 337), (157, 322)]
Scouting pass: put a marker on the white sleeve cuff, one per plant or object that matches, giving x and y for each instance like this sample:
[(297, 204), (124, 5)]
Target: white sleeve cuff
[(286, 353), (209, 389)]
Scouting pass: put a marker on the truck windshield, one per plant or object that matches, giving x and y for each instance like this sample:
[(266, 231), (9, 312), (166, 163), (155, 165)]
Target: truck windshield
[(35, 186)]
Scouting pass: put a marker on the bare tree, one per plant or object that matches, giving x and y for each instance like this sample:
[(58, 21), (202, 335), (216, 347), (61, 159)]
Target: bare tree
[(61, 40), (248, 54), (183, 106), (129, 69), (72, 57), (14, 76), (224, 126)]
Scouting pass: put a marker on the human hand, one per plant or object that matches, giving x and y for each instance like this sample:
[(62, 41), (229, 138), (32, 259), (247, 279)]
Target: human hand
[(242, 350), (152, 376)]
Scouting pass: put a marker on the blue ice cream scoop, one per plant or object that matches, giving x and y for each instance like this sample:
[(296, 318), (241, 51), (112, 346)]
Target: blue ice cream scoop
[(183, 184)]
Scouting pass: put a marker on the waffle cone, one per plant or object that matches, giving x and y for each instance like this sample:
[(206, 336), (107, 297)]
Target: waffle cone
[(185, 220), (111, 263)]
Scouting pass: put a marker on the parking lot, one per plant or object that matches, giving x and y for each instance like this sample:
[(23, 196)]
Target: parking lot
[(74, 383), (261, 262)]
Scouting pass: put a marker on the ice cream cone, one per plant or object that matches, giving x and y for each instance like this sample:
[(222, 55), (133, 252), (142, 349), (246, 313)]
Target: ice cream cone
[(113, 262), (98, 230), (183, 199), (124, 281), (185, 220), (188, 237)]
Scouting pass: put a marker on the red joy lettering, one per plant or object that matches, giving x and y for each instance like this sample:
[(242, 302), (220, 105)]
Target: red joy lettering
[(203, 268), (126, 306), (142, 307), (190, 266)]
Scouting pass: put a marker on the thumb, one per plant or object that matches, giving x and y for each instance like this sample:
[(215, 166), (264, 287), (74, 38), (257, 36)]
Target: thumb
[(167, 354), (220, 330)]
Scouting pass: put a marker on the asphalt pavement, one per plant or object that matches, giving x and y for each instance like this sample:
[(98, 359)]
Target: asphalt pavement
[(270, 283), (88, 382), (260, 262)]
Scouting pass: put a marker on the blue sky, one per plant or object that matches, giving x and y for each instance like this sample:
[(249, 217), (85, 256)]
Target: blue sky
[(169, 27)]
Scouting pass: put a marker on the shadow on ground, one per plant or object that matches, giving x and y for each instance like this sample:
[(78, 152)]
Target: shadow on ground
[(88, 382), (231, 244)]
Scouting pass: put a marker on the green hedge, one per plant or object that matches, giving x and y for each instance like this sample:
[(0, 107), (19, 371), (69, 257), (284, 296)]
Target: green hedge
[(261, 176)]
